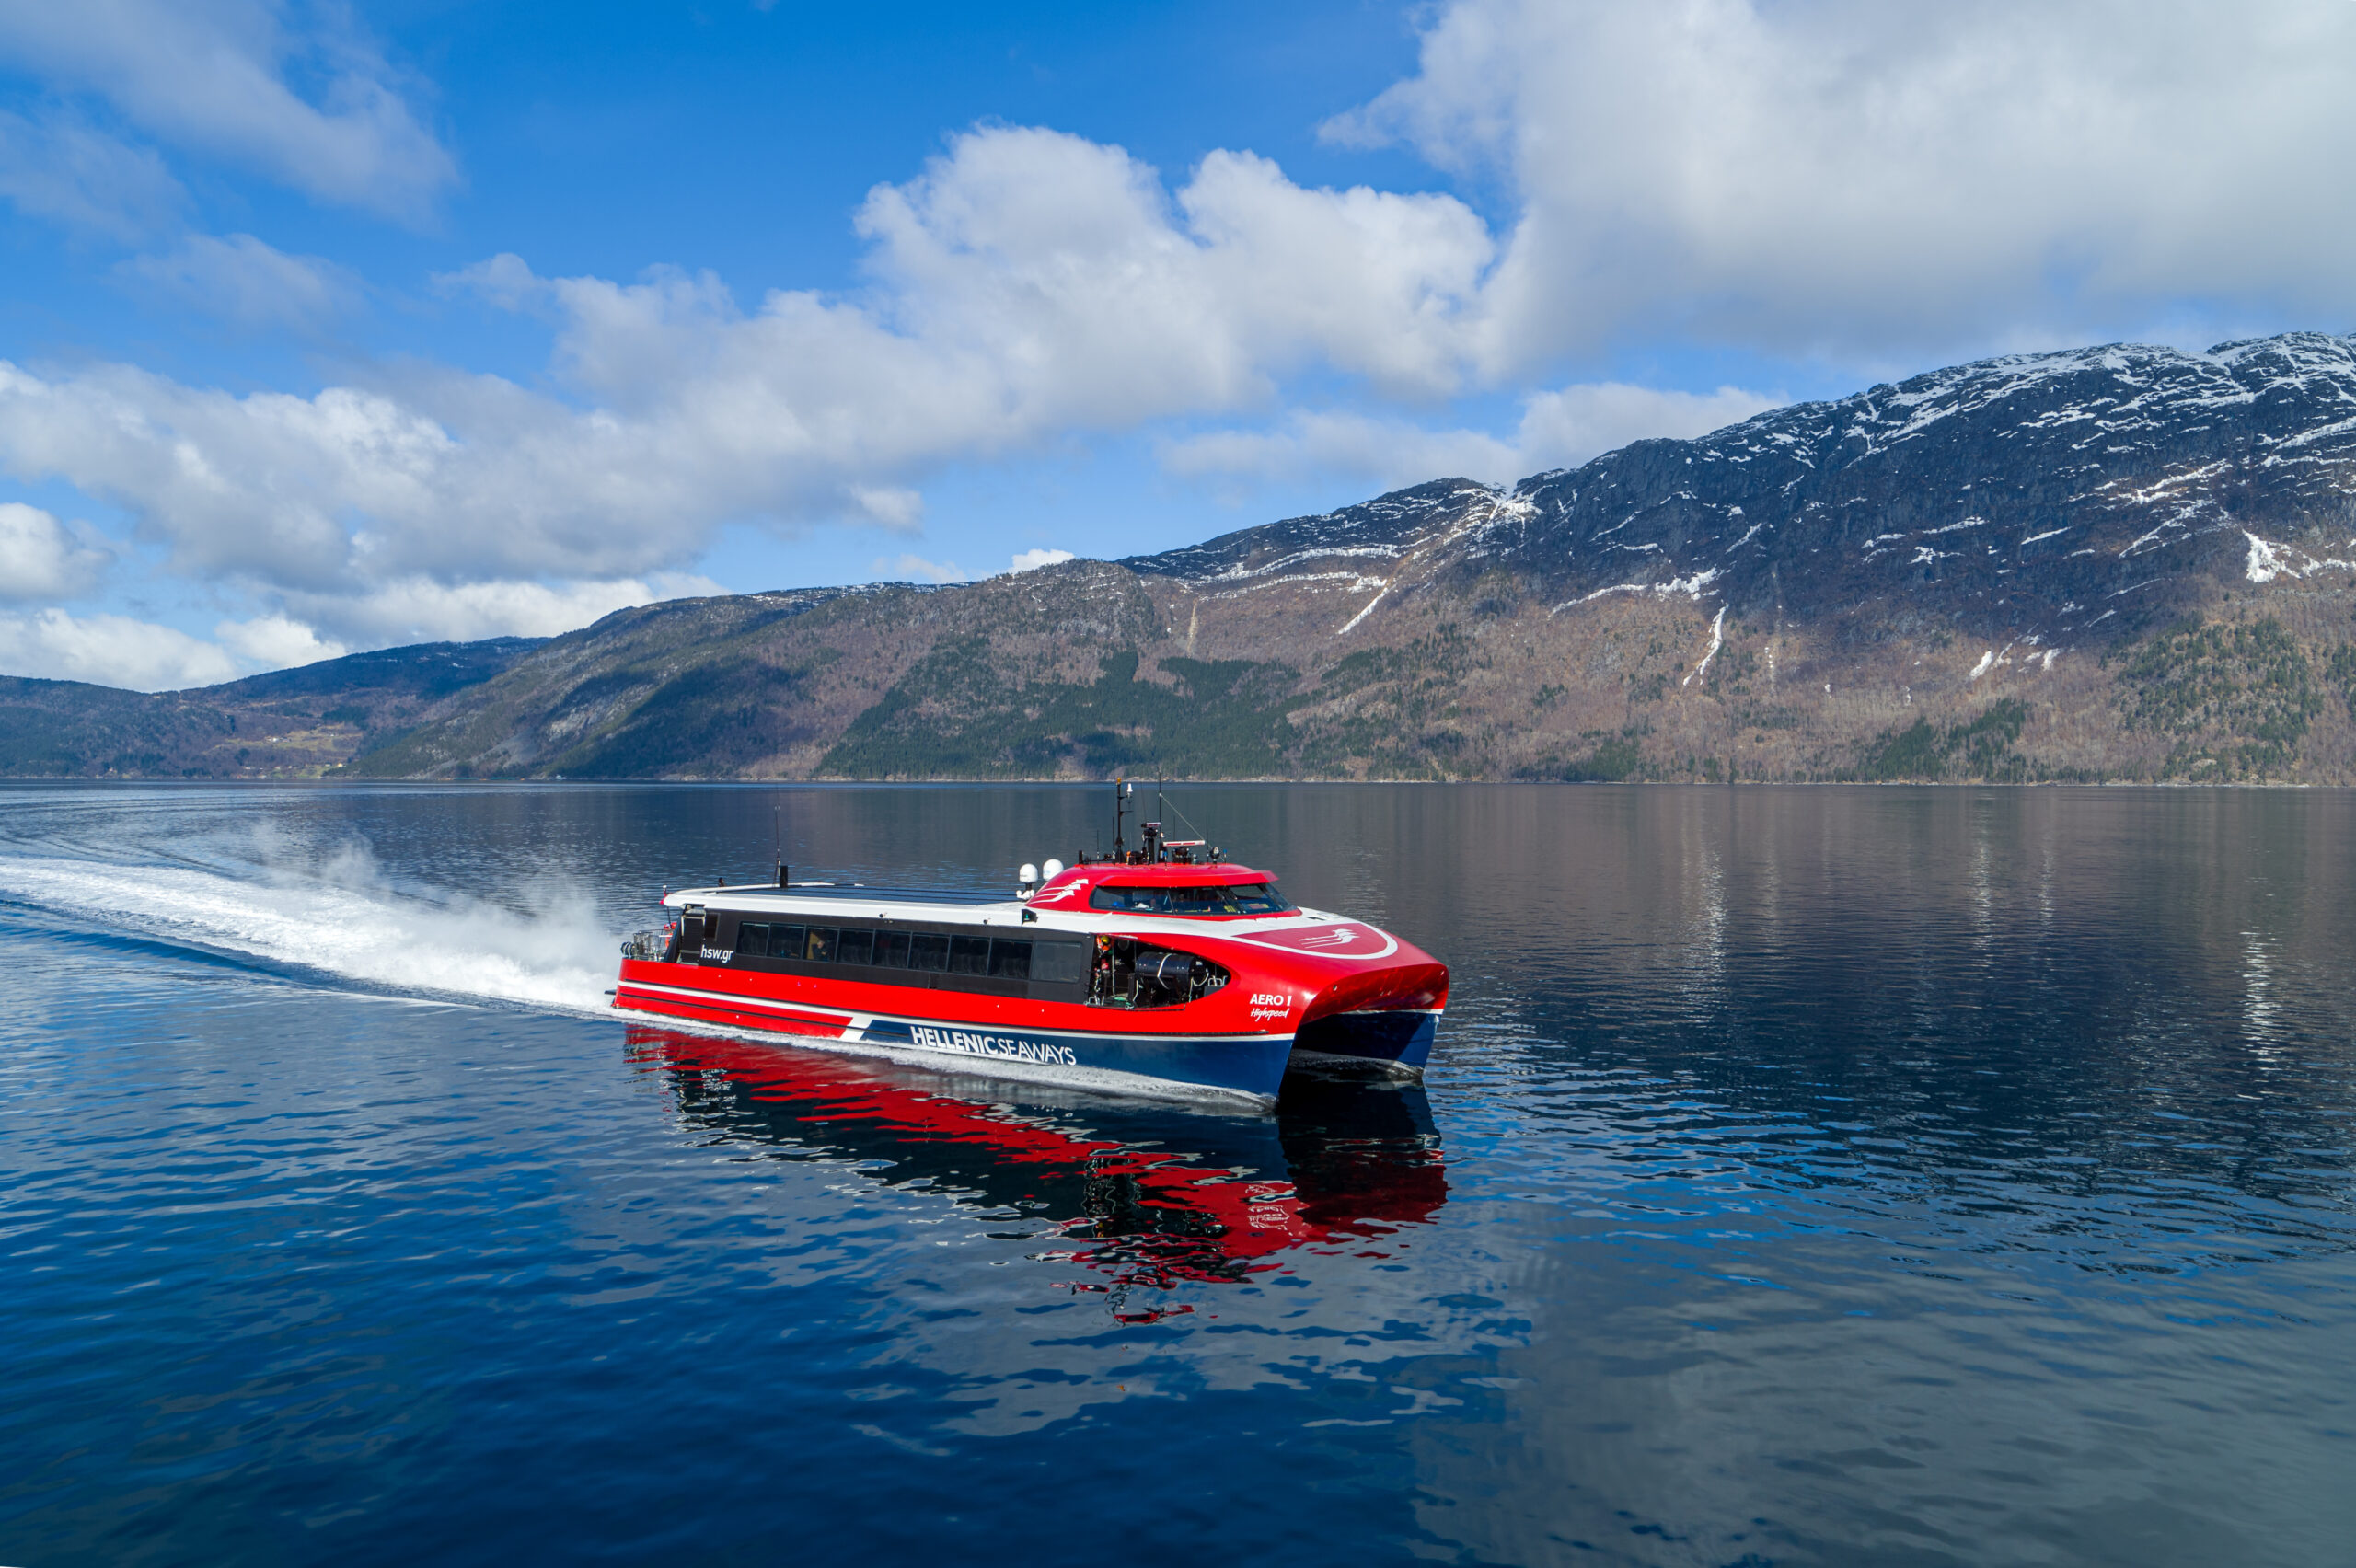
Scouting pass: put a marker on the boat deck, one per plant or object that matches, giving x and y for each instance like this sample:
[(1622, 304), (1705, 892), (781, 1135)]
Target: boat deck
[(859, 892)]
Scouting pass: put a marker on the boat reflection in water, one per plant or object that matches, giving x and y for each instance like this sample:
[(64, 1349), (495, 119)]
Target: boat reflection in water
[(1145, 1196)]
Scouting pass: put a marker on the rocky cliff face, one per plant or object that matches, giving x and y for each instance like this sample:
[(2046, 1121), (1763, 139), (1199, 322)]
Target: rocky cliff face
[(2120, 562)]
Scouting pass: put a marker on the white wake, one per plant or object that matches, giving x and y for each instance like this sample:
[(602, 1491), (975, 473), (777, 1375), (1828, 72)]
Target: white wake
[(345, 918)]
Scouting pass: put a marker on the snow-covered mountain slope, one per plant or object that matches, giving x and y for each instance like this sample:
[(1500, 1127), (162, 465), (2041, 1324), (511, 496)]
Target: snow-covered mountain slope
[(2046, 497)]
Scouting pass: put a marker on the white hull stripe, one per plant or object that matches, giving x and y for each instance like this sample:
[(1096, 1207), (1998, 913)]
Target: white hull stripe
[(859, 1023)]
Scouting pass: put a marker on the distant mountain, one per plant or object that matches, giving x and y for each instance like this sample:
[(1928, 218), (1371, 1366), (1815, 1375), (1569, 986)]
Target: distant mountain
[(2119, 563), (289, 722)]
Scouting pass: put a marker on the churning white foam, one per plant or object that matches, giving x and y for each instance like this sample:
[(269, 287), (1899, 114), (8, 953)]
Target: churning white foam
[(343, 918)]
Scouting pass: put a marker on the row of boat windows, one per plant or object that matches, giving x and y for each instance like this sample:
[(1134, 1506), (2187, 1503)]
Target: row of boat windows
[(937, 952)]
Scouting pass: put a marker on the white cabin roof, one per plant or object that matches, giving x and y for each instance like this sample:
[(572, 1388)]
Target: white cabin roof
[(844, 901)]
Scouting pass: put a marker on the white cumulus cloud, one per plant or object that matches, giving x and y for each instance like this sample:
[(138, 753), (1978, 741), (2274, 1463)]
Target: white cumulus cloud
[(275, 642), (109, 651), (916, 569), (1854, 176), (419, 609), (1557, 429), (43, 558), (1032, 561), (219, 77), (1571, 424)]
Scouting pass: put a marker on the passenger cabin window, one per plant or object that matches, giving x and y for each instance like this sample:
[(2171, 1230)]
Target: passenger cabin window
[(979, 958), (1061, 962), (1242, 898)]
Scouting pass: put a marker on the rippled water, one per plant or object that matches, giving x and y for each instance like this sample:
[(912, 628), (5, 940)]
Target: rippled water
[(1804, 1176)]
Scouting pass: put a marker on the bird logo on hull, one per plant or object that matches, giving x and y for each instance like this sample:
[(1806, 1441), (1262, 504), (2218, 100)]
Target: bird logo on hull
[(1330, 942)]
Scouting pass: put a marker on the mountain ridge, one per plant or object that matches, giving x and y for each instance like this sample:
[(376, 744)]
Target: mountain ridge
[(2111, 562)]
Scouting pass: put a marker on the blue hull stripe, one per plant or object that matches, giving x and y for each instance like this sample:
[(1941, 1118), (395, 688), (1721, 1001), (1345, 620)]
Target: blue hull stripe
[(1402, 1038), (1242, 1064)]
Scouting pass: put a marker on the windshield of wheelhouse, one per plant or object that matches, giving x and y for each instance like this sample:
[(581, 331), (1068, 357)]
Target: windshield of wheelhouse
[(1244, 898)]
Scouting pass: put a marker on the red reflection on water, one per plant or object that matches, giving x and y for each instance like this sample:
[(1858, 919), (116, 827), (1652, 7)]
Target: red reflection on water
[(1218, 1205)]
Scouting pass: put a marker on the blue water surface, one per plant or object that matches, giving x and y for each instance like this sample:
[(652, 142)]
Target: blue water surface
[(1812, 1176)]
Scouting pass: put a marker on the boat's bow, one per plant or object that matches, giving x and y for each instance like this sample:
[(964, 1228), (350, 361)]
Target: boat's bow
[(1364, 995)]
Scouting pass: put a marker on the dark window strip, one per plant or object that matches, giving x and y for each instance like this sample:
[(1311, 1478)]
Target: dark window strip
[(934, 953)]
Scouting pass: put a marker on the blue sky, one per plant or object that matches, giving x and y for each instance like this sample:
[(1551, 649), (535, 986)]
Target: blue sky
[(329, 327)]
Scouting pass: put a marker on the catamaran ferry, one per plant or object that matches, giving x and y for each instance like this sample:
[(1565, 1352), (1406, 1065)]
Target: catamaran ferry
[(1158, 970)]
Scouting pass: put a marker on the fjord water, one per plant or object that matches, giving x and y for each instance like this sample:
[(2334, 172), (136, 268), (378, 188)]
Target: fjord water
[(1884, 1176)]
